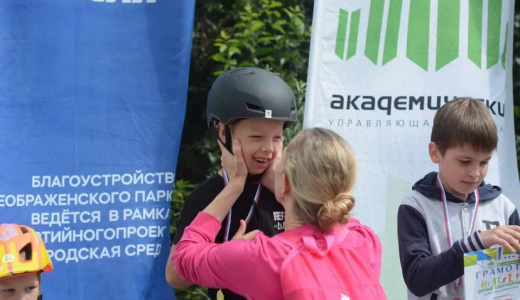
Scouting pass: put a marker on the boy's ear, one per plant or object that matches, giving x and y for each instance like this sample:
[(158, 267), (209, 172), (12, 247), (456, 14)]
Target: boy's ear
[(434, 152), (221, 131)]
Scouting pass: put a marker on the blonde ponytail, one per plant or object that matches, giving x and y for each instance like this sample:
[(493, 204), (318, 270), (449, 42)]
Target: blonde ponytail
[(321, 169)]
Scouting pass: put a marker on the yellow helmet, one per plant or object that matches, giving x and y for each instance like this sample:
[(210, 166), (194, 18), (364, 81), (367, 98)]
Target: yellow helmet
[(22, 251)]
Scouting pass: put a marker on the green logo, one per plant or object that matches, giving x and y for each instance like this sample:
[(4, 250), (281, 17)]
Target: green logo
[(418, 33)]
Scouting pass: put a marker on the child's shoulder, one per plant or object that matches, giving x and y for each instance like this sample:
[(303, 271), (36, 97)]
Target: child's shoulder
[(417, 200), (208, 189), (500, 202)]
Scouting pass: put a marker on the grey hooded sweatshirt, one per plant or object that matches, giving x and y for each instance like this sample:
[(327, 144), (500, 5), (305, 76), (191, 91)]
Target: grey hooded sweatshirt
[(429, 264)]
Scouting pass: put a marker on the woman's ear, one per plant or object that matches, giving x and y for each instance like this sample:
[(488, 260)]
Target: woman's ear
[(286, 187)]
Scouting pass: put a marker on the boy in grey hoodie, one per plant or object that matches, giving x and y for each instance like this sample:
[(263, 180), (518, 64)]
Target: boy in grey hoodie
[(454, 211)]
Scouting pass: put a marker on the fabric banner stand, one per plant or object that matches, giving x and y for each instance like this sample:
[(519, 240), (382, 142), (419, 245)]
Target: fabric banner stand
[(92, 103), (380, 69)]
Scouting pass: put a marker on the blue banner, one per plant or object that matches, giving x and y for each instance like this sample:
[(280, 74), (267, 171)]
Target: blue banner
[(92, 103)]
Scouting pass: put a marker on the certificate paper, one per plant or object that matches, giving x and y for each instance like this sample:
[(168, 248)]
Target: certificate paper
[(492, 274)]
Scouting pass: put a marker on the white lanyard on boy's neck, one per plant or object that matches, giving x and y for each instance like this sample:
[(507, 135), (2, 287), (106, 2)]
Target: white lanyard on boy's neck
[(249, 215), (447, 216)]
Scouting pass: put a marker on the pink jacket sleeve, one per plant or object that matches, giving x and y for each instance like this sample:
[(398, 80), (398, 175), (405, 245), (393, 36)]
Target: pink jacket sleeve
[(372, 244), (232, 265)]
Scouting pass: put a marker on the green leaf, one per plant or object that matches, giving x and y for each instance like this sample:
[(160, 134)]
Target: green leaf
[(268, 58), (265, 50), (257, 25), (279, 28), (298, 26), (223, 48), (224, 34), (218, 57), (245, 64), (288, 12), (275, 4), (266, 39), (234, 50)]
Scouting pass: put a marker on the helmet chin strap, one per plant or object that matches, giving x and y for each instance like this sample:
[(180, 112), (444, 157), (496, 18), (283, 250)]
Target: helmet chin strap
[(228, 143), (229, 139)]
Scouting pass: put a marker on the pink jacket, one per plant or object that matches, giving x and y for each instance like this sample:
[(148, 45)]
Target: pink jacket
[(249, 268)]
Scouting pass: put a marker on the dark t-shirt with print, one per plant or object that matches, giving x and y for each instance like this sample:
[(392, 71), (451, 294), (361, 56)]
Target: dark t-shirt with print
[(268, 215)]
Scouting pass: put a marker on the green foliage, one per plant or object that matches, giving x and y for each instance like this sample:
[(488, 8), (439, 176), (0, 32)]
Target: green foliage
[(181, 190), (193, 292), (270, 36), (299, 88), (267, 35)]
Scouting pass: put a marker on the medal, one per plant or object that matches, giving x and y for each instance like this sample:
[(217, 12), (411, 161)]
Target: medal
[(220, 295), (457, 293), (457, 283), (249, 215)]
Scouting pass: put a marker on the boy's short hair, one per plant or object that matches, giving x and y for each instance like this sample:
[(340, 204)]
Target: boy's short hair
[(464, 121)]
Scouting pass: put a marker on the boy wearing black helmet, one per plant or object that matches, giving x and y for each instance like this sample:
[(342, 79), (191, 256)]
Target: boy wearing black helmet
[(253, 106)]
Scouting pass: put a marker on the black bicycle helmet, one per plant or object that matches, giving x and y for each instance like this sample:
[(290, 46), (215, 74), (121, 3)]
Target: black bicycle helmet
[(249, 93)]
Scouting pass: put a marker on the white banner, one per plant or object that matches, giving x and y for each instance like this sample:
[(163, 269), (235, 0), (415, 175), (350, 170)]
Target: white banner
[(379, 70)]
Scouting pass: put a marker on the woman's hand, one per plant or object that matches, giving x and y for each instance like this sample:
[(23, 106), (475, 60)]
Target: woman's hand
[(241, 233), (268, 177), (236, 170), (234, 165)]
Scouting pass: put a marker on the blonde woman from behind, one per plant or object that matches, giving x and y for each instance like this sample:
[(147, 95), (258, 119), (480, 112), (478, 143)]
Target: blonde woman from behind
[(323, 254)]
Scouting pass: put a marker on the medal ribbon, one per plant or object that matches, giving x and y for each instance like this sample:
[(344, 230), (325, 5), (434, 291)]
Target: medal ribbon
[(447, 215), (249, 215)]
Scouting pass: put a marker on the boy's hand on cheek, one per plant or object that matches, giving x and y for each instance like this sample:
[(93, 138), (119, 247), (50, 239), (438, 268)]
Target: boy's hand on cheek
[(505, 236)]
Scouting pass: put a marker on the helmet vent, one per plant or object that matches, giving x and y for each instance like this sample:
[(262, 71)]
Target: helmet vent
[(254, 108), (23, 229), (244, 75), (26, 252)]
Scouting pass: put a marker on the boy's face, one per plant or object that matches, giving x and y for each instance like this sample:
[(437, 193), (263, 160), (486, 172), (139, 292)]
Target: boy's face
[(461, 168), (24, 287), (260, 140)]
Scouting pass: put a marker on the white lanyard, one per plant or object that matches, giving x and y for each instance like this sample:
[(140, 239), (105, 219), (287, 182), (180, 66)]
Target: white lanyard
[(447, 215), (249, 215)]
